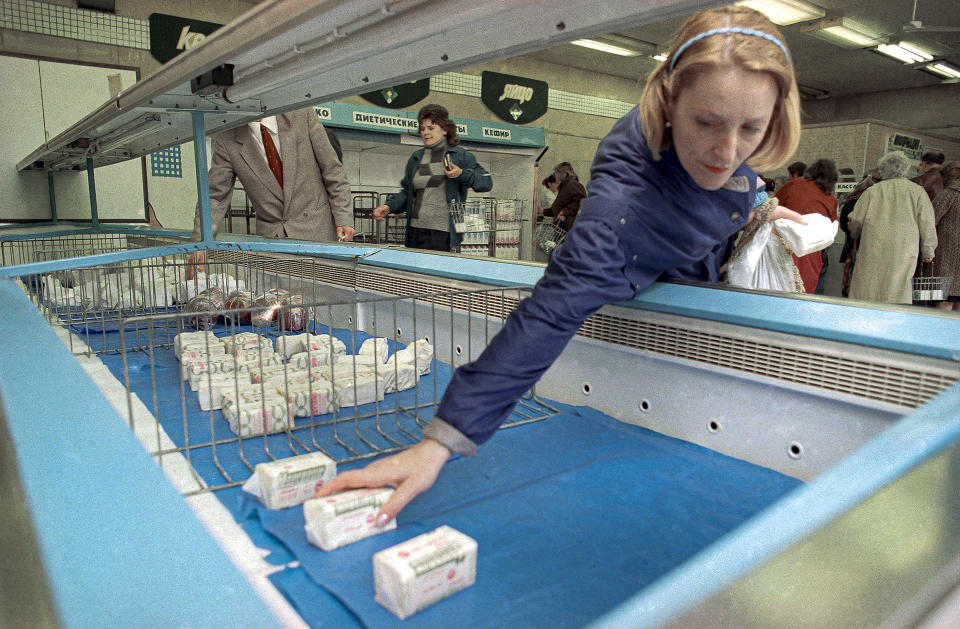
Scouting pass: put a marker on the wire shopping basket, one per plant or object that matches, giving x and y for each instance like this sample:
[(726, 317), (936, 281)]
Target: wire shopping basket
[(471, 216), (931, 288), (548, 235)]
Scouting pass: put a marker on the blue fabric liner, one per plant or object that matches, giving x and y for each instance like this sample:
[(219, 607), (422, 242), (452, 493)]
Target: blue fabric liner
[(572, 516)]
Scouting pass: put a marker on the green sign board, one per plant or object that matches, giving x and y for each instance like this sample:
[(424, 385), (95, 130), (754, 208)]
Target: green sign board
[(394, 122), (399, 96), (513, 98), (170, 35)]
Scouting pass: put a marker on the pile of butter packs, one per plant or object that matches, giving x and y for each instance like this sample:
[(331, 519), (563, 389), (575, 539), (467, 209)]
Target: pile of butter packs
[(260, 387), (409, 576)]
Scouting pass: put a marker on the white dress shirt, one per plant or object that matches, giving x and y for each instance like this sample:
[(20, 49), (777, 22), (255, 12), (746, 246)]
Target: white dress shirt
[(270, 122)]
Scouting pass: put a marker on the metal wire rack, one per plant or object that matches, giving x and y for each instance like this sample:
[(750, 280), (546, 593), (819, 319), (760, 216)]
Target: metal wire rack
[(926, 288), (130, 315), (490, 227)]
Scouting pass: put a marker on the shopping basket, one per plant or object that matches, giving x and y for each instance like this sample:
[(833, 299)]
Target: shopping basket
[(931, 288), (471, 216), (548, 235)]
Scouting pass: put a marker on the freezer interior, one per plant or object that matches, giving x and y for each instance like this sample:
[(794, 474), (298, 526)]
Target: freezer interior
[(692, 458)]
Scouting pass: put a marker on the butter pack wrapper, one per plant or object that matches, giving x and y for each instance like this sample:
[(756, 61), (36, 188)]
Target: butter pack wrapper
[(200, 337), (198, 368), (290, 344), (253, 419), (269, 372), (340, 519), (413, 575), (398, 376), (247, 340), (288, 482), (362, 389), (210, 388), (316, 399), (418, 353)]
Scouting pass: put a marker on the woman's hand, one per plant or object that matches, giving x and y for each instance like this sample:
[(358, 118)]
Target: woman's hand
[(782, 212), (410, 473), (380, 212), (453, 171)]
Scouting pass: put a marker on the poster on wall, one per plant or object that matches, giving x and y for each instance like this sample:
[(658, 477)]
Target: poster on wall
[(399, 96), (514, 99), (170, 35)]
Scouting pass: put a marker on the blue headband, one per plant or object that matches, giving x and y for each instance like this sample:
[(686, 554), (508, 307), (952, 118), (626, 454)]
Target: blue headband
[(720, 31)]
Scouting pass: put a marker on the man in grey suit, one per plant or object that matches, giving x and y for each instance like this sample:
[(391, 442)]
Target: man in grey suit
[(303, 195)]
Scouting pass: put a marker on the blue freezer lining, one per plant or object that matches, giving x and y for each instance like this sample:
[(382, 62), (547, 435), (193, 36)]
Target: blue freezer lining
[(565, 533), (577, 480)]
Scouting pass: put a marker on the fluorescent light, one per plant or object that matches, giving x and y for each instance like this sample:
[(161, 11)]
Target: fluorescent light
[(660, 56), (944, 69), (128, 133), (784, 12), (905, 52), (605, 47), (843, 32), (923, 54)]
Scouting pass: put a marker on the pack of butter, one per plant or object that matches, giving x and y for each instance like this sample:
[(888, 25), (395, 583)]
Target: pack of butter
[(198, 368), (340, 519), (252, 419), (288, 482), (317, 398), (313, 358), (247, 340), (377, 347), (211, 387), (290, 344), (200, 337), (418, 353), (413, 575), (398, 375), (267, 373), (362, 389)]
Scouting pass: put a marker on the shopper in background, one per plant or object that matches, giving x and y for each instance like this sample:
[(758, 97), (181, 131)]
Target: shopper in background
[(812, 194), (549, 193), (795, 170), (669, 187), (435, 176), (848, 255), (894, 221), (291, 175), (946, 209), (928, 173), (569, 194)]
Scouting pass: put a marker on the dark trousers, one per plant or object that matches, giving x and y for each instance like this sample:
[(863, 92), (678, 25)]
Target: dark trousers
[(433, 239)]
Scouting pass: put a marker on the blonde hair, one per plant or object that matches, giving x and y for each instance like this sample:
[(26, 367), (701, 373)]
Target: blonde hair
[(745, 51)]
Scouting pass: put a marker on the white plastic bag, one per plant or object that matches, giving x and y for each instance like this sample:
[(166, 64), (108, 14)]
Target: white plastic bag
[(818, 234), (763, 263)]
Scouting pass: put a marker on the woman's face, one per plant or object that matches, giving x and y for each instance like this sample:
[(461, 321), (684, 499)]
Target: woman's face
[(431, 132), (554, 186), (719, 121)]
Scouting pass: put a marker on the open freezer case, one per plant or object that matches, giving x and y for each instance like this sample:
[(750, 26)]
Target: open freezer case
[(695, 457)]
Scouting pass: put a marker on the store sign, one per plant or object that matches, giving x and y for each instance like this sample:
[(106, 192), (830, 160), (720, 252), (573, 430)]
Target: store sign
[(170, 35), (515, 99), (399, 96)]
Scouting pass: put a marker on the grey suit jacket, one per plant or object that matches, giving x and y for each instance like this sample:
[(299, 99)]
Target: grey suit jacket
[(315, 197)]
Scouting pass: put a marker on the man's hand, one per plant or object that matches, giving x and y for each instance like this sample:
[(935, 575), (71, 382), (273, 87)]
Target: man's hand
[(195, 263), (380, 212), (345, 233)]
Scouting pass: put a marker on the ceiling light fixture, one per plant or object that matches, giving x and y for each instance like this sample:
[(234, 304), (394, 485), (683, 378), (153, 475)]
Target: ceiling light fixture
[(904, 52), (843, 32), (785, 12), (602, 46), (943, 69), (660, 56)]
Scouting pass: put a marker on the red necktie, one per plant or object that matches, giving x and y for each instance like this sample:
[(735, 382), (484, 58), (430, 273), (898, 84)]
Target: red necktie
[(273, 155)]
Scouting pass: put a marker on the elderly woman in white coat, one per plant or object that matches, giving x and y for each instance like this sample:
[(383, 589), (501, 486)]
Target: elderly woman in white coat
[(894, 222)]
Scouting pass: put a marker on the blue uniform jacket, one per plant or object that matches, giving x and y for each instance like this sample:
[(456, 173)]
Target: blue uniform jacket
[(474, 176), (642, 220)]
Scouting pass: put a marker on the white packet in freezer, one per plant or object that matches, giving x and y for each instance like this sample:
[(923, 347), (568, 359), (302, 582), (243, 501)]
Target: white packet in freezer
[(419, 352), (398, 376), (413, 575), (315, 399), (228, 365), (210, 388), (247, 340), (200, 337), (288, 482), (251, 419), (269, 372), (340, 519), (290, 344), (379, 347), (362, 389)]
